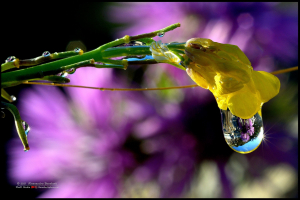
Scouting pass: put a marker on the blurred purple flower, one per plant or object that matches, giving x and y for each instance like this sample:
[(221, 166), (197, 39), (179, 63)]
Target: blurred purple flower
[(264, 31), (245, 137), (76, 143), (81, 142)]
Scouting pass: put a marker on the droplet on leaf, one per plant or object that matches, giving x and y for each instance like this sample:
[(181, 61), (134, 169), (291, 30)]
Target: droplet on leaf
[(161, 34), (242, 135), (46, 54), (77, 50), (26, 127), (10, 59), (63, 74)]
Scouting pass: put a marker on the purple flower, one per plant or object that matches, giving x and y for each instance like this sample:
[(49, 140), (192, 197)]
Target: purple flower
[(246, 126), (77, 139), (245, 137), (250, 127), (86, 138), (264, 31)]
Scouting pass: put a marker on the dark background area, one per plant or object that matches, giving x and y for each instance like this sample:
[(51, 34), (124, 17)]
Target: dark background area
[(30, 29)]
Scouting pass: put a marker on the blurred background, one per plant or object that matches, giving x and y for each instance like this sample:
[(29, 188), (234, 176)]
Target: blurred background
[(168, 143)]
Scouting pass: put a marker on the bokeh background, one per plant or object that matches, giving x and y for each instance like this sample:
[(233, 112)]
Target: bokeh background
[(153, 143)]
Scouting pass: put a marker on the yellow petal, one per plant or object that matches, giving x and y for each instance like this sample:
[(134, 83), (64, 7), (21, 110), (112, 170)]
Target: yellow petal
[(161, 53), (267, 85), (197, 78), (243, 103), (234, 52), (222, 102), (226, 85)]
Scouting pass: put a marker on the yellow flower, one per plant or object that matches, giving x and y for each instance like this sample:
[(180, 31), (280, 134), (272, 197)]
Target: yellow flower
[(226, 71), (161, 53)]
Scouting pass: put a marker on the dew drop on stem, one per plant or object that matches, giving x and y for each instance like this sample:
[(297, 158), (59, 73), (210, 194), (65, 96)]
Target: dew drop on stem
[(26, 127), (46, 54), (10, 59), (160, 34)]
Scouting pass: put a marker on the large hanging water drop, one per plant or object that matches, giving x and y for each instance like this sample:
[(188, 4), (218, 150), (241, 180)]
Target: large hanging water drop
[(242, 135), (26, 127), (77, 50), (63, 74)]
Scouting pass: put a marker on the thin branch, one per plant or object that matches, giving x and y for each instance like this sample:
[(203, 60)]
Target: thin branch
[(143, 89)]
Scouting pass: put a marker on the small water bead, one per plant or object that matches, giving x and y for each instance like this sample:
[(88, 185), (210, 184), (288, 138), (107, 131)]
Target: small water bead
[(77, 50), (10, 59), (71, 71), (13, 98), (242, 135), (26, 127), (161, 34), (63, 74), (46, 54)]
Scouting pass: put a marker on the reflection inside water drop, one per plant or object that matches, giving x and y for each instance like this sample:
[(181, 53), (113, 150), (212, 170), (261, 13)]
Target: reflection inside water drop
[(161, 34), (46, 54), (26, 127), (242, 135)]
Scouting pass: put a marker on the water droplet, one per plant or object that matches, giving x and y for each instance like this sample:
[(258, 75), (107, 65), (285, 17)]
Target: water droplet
[(63, 74), (161, 34), (10, 59), (26, 127), (77, 50), (242, 135), (46, 54), (71, 71), (182, 64), (13, 98)]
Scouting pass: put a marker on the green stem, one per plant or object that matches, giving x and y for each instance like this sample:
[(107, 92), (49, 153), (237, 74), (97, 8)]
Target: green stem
[(46, 69), (101, 54), (18, 122), (57, 66)]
